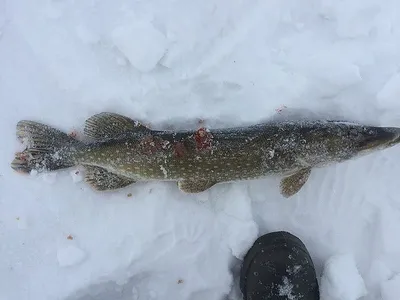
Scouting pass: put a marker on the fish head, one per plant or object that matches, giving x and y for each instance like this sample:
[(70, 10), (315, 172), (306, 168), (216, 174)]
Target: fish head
[(344, 141), (354, 140), (371, 139)]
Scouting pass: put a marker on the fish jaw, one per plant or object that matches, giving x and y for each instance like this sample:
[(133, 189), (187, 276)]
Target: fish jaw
[(378, 138), (394, 136)]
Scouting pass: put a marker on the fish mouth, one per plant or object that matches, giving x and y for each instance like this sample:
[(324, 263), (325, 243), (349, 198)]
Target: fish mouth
[(384, 137), (395, 140)]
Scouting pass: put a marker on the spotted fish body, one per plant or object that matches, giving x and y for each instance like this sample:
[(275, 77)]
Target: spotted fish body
[(123, 151)]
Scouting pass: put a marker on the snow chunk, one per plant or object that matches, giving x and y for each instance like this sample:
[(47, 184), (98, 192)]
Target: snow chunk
[(70, 256), (286, 288), (236, 218), (379, 272), (141, 43), (341, 279), (390, 290)]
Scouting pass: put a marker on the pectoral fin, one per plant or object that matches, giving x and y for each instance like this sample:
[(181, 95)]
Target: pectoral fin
[(102, 180), (292, 184), (194, 186)]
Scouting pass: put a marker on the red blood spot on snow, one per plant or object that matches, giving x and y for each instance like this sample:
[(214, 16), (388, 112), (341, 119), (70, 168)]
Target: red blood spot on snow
[(280, 109), (203, 139)]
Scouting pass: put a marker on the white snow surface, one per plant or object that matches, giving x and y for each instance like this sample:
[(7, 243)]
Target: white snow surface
[(70, 256), (141, 44), (341, 279), (230, 63)]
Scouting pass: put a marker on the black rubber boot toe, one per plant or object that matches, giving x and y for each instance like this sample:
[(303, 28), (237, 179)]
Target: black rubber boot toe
[(278, 266)]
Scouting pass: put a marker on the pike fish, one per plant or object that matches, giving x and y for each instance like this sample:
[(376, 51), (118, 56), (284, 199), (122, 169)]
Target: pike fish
[(121, 151)]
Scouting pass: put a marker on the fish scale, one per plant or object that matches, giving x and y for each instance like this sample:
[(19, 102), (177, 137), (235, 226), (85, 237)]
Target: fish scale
[(122, 151)]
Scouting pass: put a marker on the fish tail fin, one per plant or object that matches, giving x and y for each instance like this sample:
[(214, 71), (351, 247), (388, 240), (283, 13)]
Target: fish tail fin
[(47, 148)]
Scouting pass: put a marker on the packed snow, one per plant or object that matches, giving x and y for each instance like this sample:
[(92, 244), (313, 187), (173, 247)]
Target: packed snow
[(341, 279), (69, 256), (141, 44), (170, 63)]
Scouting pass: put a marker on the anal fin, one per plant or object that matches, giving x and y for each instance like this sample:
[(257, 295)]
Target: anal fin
[(292, 184), (194, 185), (109, 125), (102, 180)]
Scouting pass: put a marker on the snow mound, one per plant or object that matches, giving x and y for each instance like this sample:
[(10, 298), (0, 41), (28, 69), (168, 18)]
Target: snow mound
[(341, 279)]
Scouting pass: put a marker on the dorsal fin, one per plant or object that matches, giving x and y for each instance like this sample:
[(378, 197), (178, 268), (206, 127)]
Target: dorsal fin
[(109, 125)]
